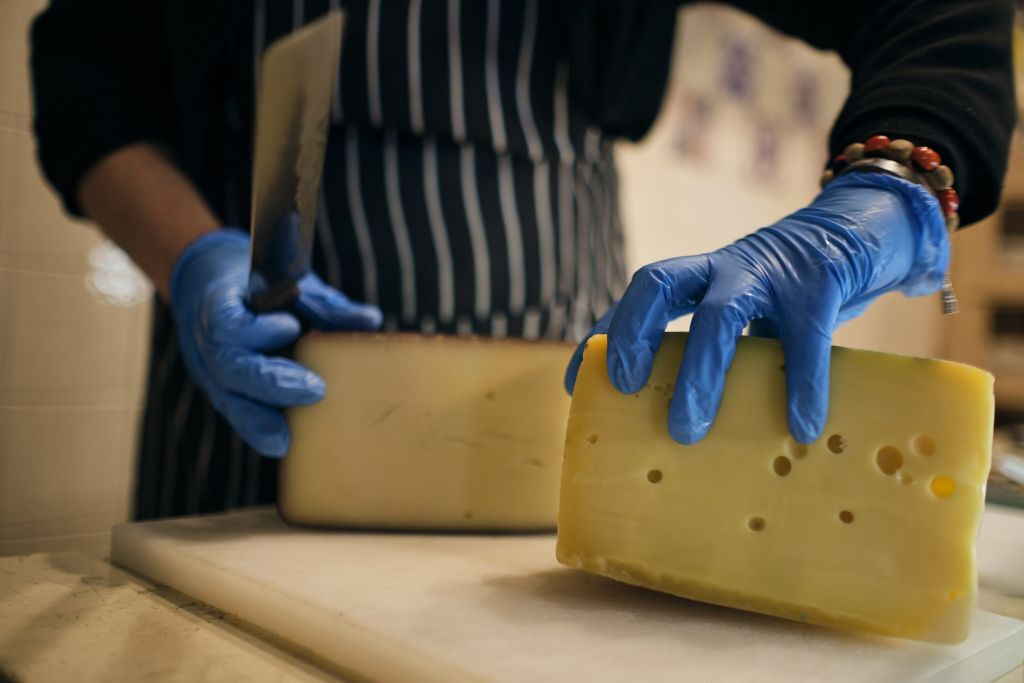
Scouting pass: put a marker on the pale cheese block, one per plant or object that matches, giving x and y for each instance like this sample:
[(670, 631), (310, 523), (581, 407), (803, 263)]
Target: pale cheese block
[(871, 528), (428, 432)]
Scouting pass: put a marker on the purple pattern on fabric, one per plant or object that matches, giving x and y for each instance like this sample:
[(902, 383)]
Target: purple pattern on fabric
[(737, 68), (694, 119), (766, 151), (806, 98)]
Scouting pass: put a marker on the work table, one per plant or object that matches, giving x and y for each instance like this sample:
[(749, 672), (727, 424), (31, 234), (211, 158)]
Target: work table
[(75, 616)]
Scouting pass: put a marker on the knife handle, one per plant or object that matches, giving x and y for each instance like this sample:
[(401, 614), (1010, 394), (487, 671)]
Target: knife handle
[(275, 299)]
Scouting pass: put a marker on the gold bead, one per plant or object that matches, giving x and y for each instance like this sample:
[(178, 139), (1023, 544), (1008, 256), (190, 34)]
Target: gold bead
[(952, 222), (826, 177), (941, 178), (899, 150), (854, 152)]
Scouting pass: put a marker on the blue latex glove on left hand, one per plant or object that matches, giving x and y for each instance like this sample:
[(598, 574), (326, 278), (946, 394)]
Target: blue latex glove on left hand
[(223, 342), (864, 234)]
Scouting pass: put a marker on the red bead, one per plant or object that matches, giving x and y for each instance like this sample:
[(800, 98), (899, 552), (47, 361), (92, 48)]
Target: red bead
[(876, 143), (926, 157), (949, 200)]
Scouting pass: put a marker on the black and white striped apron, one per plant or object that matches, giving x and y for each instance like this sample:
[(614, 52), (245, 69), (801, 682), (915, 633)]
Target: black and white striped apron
[(463, 193)]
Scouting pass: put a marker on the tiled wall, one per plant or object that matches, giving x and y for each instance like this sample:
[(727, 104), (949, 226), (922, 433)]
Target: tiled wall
[(71, 351)]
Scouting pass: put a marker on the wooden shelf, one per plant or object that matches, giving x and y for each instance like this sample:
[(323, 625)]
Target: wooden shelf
[(1010, 392), (1004, 284)]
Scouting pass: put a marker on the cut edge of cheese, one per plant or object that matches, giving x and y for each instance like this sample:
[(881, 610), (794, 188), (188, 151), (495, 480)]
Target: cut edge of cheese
[(428, 433), (706, 591)]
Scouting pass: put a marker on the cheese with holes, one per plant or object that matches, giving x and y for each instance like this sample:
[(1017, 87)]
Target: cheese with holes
[(428, 432), (871, 528)]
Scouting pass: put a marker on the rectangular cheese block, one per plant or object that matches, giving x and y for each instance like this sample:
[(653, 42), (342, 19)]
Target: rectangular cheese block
[(871, 528), (428, 432)]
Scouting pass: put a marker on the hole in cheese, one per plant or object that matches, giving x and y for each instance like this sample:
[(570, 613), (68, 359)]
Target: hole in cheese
[(592, 438), (924, 445), (489, 395), (755, 523), (795, 448), (782, 465), (836, 443), (846, 516), (654, 476), (889, 459), (943, 487), (906, 477)]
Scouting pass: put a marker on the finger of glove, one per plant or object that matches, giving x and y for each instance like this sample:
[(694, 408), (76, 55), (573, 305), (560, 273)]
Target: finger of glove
[(262, 427), (852, 310), (227, 321), (326, 308), (807, 346), (573, 369), (269, 380), (656, 294), (710, 348), (196, 366)]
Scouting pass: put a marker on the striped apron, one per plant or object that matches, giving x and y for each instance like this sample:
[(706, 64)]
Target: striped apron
[(463, 193)]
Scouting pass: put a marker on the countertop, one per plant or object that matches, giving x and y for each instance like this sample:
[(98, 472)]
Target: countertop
[(73, 616)]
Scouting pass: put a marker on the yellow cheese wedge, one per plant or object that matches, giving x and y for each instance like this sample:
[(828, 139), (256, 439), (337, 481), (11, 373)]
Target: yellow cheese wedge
[(871, 528), (421, 432)]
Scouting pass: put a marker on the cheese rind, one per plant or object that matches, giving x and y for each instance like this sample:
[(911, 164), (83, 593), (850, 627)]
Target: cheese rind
[(428, 432), (871, 528)]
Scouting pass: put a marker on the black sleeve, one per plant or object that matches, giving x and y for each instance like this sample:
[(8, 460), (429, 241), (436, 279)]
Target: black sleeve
[(619, 55), (936, 72), (98, 78)]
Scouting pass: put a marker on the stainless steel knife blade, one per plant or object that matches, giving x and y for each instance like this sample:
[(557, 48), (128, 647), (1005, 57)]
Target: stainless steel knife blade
[(293, 106)]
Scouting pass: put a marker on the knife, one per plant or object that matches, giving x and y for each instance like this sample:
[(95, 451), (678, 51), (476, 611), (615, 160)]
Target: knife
[(293, 105)]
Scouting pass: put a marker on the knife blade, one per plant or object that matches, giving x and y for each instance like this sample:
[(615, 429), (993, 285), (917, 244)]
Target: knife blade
[(293, 104)]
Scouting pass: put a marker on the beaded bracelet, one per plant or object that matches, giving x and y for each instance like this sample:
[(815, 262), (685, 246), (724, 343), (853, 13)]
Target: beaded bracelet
[(915, 163)]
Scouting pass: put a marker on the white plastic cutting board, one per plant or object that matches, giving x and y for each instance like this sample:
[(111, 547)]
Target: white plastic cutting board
[(401, 607)]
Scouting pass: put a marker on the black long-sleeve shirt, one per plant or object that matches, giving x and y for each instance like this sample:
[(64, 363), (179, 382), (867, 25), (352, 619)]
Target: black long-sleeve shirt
[(938, 72)]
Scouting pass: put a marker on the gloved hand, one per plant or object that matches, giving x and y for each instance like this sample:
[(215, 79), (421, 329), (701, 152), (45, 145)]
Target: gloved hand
[(864, 234), (223, 342)]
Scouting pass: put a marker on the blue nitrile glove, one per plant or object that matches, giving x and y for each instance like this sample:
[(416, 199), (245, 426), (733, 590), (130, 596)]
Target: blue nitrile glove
[(223, 342), (864, 234)]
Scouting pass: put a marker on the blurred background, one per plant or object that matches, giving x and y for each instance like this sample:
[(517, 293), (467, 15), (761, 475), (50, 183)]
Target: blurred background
[(740, 142)]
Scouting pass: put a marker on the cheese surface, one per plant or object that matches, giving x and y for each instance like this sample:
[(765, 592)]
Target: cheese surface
[(871, 528), (428, 432)]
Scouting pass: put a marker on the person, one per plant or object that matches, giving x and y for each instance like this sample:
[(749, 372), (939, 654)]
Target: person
[(469, 188)]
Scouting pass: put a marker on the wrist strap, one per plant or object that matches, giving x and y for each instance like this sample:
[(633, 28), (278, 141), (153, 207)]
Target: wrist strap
[(876, 165), (913, 163)]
